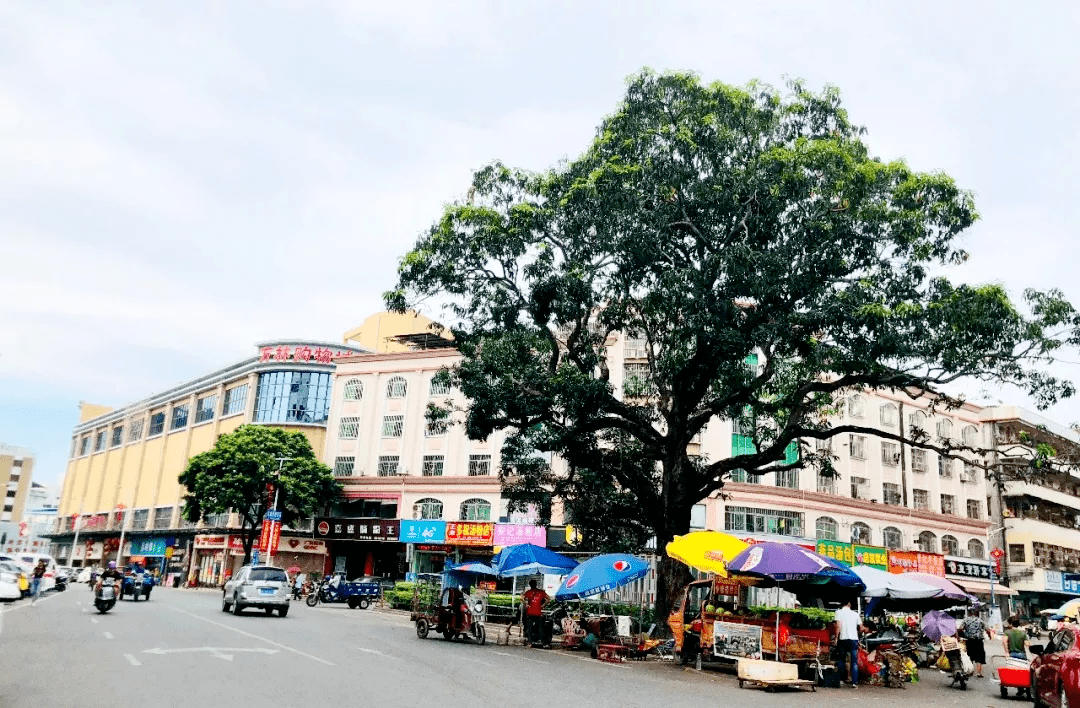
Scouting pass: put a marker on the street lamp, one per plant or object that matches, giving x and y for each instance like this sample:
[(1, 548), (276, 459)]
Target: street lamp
[(990, 533), (277, 491)]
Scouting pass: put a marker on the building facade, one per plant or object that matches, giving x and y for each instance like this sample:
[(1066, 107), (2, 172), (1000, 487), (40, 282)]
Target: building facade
[(16, 476)]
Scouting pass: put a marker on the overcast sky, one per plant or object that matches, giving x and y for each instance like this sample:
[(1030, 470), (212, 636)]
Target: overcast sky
[(181, 180)]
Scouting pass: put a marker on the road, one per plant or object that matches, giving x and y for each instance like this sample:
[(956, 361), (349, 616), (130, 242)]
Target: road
[(179, 649)]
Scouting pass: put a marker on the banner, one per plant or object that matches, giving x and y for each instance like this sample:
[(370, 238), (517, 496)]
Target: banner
[(424, 531), (916, 562), (148, 547), (470, 533), (513, 534)]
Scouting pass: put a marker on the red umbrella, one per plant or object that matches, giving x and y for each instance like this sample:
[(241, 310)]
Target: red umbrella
[(293, 569)]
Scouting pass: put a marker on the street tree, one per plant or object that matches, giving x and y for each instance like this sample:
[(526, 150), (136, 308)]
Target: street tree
[(234, 476), (768, 264)]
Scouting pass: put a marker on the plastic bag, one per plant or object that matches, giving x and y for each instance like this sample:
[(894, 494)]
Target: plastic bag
[(965, 661), (942, 662)]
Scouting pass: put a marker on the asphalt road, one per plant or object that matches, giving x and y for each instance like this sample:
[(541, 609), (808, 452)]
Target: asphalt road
[(179, 649)]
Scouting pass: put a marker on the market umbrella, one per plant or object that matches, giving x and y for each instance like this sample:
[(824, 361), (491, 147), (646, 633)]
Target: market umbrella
[(600, 574), (530, 559), (795, 569), (292, 569), (894, 586), (950, 590), (937, 624), (473, 567), (706, 551), (1069, 609)]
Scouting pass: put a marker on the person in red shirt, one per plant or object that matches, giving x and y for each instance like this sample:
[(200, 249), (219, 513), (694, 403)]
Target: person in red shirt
[(533, 601)]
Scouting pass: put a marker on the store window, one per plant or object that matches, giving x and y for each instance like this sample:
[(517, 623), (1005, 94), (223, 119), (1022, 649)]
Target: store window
[(396, 387), (976, 549), (292, 397), (433, 466), (475, 510), (927, 542), (949, 545), (179, 417), (892, 538), (354, 390), (428, 508), (234, 399), (827, 529)]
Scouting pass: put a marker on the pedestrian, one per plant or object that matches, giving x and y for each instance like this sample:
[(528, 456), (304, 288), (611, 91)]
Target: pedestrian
[(533, 601), (1015, 640), (848, 627), (36, 576), (973, 631)]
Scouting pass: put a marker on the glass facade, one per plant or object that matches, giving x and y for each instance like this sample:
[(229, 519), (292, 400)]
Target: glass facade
[(292, 397)]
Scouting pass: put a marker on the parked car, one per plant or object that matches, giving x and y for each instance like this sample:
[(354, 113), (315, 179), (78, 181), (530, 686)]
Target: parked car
[(30, 560), (1055, 671), (137, 584), (12, 581), (83, 576), (261, 586)]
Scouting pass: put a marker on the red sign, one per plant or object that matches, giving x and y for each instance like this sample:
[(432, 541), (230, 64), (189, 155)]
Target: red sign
[(324, 528), (997, 554), (916, 562), (207, 541), (264, 536), (275, 537), (319, 355), (469, 533)]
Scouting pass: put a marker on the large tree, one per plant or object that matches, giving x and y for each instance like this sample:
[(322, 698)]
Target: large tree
[(768, 260), (233, 476)]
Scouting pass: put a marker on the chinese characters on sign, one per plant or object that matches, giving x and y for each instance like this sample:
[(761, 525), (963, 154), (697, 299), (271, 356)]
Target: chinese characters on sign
[(967, 568), (837, 550), (513, 534), (916, 562), (873, 556), (369, 529), (282, 352), (422, 531), (469, 533)]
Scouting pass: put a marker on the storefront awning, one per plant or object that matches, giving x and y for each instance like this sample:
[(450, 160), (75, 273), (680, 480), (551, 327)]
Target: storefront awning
[(980, 587)]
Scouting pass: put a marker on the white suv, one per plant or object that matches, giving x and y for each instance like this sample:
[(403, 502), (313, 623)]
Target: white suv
[(262, 586)]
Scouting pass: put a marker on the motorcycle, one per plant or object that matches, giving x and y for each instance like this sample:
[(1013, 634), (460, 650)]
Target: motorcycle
[(334, 589), (61, 583), (105, 597)]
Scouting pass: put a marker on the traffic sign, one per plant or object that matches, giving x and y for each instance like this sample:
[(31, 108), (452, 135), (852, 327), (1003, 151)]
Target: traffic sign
[(273, 516), (997, 554), (254, 557)]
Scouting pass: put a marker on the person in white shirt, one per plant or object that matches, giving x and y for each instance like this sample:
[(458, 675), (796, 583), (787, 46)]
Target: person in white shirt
[(848, 626)]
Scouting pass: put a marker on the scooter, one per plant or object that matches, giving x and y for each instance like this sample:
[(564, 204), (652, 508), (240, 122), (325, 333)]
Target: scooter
[(105, 597)]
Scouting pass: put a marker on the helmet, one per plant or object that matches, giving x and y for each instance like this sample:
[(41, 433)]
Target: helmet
[(112, 564)]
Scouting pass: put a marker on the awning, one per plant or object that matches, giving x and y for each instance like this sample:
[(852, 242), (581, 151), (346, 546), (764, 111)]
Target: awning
[(980, 587)]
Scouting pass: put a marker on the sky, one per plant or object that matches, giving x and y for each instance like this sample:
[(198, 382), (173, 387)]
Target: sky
[(179, 181)]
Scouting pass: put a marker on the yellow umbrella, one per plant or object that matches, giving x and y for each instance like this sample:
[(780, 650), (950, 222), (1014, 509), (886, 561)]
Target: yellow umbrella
[(1069, 609), (706, 551)]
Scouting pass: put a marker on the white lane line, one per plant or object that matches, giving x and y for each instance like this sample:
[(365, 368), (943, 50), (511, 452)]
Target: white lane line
[(27, 604), (523, 658), (475, 661), (108, 635), (94, 620), (378, 653), (253, 636), (132, 660)]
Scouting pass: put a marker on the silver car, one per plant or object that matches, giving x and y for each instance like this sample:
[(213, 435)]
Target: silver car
[(262, 586)]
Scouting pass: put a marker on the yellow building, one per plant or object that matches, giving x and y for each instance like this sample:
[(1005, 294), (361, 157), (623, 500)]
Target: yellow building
[(391, 332), (16, 473), (128, 460)]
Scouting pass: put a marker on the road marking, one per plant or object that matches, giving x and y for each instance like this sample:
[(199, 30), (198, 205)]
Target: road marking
[(108, 635), (217, 652), (475, 661), (94, 620), (253, 636), (379, 653), (523, 658), (132, 660), (19, 607)]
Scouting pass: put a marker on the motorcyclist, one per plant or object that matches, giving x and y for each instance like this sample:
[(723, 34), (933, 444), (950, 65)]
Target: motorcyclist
[(111, 573)]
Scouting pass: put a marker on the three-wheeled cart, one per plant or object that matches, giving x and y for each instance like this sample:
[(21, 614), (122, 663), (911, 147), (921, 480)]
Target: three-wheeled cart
[(1012, 673), (447, 609)]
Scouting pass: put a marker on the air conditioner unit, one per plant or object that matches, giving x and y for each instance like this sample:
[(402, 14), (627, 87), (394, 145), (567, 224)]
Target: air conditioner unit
[(965, 477)]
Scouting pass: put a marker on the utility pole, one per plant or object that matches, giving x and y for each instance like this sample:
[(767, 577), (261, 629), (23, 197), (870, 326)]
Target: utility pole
[(277, 491), (75, 543)]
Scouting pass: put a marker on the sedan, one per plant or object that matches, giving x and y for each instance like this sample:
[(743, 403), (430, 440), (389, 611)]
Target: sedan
[(260, 586), (11, 581), (1055, 671)]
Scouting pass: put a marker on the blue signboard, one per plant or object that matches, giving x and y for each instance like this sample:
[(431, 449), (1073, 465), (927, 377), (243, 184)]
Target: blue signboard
[(273, 516), (422, 531), (255, 557), (148, 546)]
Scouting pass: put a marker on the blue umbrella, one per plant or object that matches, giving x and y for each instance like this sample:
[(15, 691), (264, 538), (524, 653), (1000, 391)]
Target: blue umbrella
[(529, 559), (473, 567), (600, 574)]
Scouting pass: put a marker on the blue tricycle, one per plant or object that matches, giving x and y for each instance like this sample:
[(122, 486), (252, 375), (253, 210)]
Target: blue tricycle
[(334, 588)]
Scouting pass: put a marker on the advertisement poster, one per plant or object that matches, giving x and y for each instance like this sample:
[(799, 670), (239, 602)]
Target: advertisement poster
[(916, 562), (470, 533), (422, 531), (732, 639), (513, 534), (873, 556)]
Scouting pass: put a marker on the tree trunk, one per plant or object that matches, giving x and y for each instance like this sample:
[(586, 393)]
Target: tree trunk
[(671, 575), (248, 536)]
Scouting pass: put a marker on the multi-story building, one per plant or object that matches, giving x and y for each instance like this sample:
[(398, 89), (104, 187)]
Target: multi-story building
[(16, 476), (125, 463)]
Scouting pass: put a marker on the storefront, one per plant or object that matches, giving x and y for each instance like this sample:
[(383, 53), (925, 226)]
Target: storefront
[(147, 552), (973, 575), (365, 546), (426, 538), (916, 562), (209, 559), (302, 555), (855, 553)]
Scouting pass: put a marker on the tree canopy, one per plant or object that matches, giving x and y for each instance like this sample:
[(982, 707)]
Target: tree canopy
[(766, 259), (233, 476)]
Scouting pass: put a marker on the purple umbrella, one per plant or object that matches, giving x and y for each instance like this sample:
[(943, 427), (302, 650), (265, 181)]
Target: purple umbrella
[(937, 624), (794, 568), (948, 588)]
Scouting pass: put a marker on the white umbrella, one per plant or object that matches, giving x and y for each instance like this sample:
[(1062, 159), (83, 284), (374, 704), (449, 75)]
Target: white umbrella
[(880, 583)]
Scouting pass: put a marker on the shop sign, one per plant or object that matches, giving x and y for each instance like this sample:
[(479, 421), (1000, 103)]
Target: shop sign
[(873, 556), (208, 541), (302, 545), (369, 529), (916, 562), (513, 534), (967, 568), (1053, 581), (282, 352), (423, 531), (837, 550), (148, 546), (469, 533), (236, 543), (94, 549), (434, 547), (1070, 584)]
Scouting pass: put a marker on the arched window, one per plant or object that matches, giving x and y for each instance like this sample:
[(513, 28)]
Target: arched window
[(949, 545), (475, 510), (427, 508), (927, 542), (827, 529), (892, 538), (354, 390), (856, 406), (944, 429), (396, 387), (970, 435), (439, 387), (860, 533), (888, 415), (917, 420), (976, 549)]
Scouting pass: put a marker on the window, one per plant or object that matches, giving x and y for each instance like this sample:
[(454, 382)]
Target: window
[(396, 387), (788, 478), (890, 494), (949, 545), (217, 520), (179, 417), (1017, 553), (920, 498), (84, 446), (739, 475), (944, 467), (140, 518), (637, 380), (343, 466), (163, 517), (234, 399), (827, 529), (976, 549), (427, 508), (826, 484), (944, 429), (697, 516), (635, 347), (890, 454), (205, 407), (860, 533), (292, 397), (393, 426), (354, 390), (479, 465), (388, 465), (785, 523), (858, 447), (948, 504), (892, 538), (118, 436), (927, 542), (969, 474), (888, 415), (475, 510), (974, 510), (917, 421), (99, 441), (439, 387), (856, 406), (970, 436), (270, 575), (435, 428), (860, 488), (135, 430), (349, 428), (918, 460), (433, 466)]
